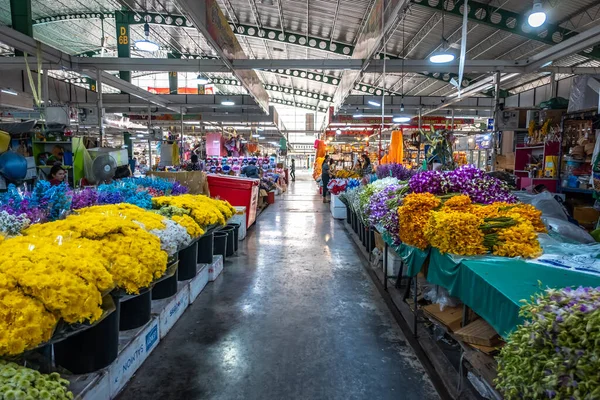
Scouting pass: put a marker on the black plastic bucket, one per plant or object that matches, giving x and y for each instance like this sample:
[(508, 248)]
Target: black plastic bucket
[(165, 288), (93, 349), (136, 310), (348, 215), (205, 249), (354, 222), (230, 239), (220, 243), (361, 231), (188, 261), (370, 239), (365, 234), (236, 235)]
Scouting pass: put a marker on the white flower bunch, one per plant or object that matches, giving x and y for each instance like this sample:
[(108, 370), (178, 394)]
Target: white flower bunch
[(12, 225), (173, 237)]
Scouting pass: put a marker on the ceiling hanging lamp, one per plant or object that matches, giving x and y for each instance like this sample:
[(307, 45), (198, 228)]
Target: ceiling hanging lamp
[(146, 44), (537, 17), (443, 55)]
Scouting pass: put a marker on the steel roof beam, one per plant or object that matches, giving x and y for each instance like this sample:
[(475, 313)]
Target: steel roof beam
[(272, 34), (575, 44), (509, 21)]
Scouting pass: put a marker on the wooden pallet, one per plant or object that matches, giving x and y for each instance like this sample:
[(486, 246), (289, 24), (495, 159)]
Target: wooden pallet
[(479, 333), (450, 317)]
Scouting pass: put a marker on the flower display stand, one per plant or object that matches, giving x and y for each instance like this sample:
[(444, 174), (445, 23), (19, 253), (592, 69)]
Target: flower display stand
[(199, 282), (135, 345), (169, 310), (215, 269)]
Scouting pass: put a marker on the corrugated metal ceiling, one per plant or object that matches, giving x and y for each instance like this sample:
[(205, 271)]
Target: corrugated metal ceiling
[(418, 35)]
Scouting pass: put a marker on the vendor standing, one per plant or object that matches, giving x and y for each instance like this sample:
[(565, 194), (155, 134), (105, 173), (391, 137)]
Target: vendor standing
[(325, 176)]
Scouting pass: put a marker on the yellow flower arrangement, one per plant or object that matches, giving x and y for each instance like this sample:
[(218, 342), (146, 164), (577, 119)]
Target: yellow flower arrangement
[(413, 216), (204, 210), (519, 240), (193, 229), (61, 275), (148, 219), (24, 321), (455, 232), (460, 202), (529, 212), (134, 256)]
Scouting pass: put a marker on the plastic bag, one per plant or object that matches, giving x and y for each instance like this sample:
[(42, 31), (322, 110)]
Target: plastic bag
[(545, 202), (568, 230), (438, 295)]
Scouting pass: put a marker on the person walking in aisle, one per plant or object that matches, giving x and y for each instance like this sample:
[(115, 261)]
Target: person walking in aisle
[(325, 177), (293, 170)]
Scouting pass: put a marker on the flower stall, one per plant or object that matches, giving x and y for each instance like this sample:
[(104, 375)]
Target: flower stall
[(467, 245), (77, 267)]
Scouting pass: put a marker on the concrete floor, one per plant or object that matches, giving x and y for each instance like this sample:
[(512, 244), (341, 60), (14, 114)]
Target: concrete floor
[(293, 316)]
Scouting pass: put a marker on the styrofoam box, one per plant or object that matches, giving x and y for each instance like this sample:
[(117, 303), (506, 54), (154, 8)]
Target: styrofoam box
[(170, 309), (338, 213), (336, 202), (199, 282), (215, 269), (240, 218), (134, 347), (94, 386), (393, 263)]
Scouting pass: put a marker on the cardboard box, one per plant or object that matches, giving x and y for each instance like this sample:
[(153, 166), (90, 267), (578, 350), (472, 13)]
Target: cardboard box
[(505, 161), (586, 216)]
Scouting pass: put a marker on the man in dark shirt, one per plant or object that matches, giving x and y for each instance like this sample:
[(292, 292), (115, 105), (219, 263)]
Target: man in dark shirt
[(251, 171)]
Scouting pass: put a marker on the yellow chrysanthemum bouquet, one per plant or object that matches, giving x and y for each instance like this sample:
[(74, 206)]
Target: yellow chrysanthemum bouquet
[(43, 281), (458, 226), (172, 235), (204, 210), (134, 255)]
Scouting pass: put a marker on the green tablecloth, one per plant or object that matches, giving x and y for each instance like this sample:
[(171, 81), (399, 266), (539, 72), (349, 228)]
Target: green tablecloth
[(491, 286), (412, 257)]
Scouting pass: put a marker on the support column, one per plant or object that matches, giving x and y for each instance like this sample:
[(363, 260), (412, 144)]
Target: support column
[(100, 106), (123, 42), (172, 76), (20, 13), (496, 118)]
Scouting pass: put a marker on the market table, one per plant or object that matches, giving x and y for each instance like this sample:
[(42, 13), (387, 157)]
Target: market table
[(491, 286)]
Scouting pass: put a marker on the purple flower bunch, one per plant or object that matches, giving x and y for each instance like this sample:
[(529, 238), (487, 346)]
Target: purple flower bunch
[(382, 209), (397, 171), (84, 198), (469, 180), (178, 189)]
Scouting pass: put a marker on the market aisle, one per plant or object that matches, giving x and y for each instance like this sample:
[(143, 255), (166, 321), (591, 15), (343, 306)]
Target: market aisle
[(294, 316)]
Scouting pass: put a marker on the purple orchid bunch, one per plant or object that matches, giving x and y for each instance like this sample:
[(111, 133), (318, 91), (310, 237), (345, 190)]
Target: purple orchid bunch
[(434, 182), (469, 180), (554, 354), (84, 198), (382, 209), (397, 171)]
